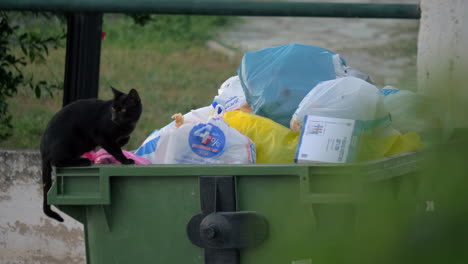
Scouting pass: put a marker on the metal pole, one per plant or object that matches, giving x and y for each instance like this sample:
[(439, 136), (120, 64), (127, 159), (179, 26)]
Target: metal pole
[(230, 8), (82, 57)]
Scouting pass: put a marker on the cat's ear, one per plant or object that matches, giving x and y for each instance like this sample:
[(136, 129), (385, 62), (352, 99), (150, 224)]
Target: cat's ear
[(116, 92), (133, 96)]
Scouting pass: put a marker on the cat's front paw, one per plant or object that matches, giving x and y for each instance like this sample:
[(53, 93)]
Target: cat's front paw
[(128, 162)]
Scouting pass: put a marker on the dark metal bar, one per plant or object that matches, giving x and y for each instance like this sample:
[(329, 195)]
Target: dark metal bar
[(218, 194), (82, 57), (231, 8)]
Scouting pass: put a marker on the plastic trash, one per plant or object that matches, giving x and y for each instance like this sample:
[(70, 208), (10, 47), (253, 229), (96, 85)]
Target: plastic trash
[(274, 143), (149, 146), (372, 148), (353, 72), (211, 142), (329, 140), (337, 140), (404, 143), (410, 111), (347, 98), (103, 157), (231, 95), (275, 80)]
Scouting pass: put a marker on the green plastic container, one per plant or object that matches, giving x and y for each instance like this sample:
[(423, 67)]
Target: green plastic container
[(140, 213)]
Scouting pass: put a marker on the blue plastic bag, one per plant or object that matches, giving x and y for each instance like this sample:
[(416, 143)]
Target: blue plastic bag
[(275, 80)]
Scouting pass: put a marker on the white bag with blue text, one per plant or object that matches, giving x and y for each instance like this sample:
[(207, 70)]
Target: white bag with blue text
[(149, 146), (211, 142)]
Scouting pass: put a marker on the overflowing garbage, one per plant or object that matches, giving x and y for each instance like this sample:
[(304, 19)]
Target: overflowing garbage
[(275, 80), (409, 110), (191, 140), (274, 142), (346, 97), (103, 157), (293, 103), (231, 96)]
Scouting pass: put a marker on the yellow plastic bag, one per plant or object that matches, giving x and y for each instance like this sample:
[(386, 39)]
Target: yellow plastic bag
[(274, 143), (277, 144), (405, 143), (372, 148)]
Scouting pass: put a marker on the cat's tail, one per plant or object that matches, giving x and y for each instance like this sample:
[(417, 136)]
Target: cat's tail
[(47, 183)]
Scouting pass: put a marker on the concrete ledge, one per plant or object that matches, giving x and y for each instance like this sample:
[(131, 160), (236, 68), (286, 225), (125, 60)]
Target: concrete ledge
[(26, 234)]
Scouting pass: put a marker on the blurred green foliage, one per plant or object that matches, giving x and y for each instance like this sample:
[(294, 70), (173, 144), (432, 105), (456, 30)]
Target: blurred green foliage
[(418, 218), (34, 47)]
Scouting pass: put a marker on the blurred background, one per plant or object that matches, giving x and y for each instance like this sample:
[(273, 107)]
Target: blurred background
[(177, 62)]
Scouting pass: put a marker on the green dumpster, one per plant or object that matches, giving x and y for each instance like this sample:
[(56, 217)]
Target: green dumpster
[(216, 214), (156, 213)]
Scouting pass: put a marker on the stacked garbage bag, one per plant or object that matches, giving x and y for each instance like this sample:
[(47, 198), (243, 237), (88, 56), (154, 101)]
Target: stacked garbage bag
[(293, 103)]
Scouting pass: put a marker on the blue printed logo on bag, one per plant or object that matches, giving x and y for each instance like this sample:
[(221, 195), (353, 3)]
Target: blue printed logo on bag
[(207, 140)]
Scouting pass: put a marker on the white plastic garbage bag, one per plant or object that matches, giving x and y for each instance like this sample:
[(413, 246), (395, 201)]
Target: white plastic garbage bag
[(410, 111), (199, 139), (348, 98), (230, 95), (343, 70), (149, 146), (210, 142)]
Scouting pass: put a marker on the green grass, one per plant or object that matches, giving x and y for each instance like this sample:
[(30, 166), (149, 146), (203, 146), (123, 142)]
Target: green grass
[(164, 32), (173, 71)]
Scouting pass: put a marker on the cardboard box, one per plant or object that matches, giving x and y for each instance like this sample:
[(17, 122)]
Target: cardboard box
[(327, 139)]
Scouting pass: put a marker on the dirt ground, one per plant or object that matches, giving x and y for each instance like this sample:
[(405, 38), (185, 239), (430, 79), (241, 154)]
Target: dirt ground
[(383, 48)]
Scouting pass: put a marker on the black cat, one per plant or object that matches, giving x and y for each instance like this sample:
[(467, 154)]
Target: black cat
[(82, 126)]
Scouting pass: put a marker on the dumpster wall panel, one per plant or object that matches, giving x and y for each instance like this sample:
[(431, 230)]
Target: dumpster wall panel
[(296, 227), (151, 212), (278, 199)]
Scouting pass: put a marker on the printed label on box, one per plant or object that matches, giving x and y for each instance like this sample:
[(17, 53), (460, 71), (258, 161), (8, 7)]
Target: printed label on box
[(326, 139)]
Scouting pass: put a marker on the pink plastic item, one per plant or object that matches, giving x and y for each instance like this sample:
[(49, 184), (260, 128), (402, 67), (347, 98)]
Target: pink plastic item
[(103, 157)]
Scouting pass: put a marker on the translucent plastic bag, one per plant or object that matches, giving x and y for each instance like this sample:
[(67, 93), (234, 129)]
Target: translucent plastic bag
[(274, 143), (348, 98), (149, 146), (372, 148), (211, 142), (231, 95), (103, 157), (379, 139), (275, 80), (410, 111)]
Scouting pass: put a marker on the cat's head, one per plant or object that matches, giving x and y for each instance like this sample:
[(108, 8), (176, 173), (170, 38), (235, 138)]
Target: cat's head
[(126, 108)]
